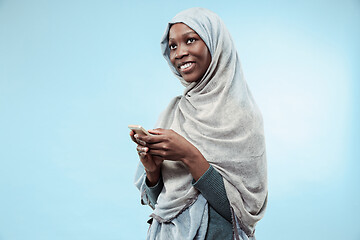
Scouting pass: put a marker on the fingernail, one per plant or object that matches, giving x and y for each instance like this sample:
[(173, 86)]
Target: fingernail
[(142, 142), (136, 136)]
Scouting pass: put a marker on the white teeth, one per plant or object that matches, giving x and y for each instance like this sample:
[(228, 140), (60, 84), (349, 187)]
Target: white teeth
[(186, 65)]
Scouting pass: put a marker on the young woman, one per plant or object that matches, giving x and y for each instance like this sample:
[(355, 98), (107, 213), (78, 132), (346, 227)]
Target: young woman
[(203, 170)]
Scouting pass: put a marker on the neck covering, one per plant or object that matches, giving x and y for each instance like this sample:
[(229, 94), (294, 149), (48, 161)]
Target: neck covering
[(219, 116)]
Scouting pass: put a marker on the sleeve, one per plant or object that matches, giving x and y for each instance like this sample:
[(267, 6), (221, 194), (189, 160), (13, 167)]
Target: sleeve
[(154, 191), (149, 195), (211, 186)]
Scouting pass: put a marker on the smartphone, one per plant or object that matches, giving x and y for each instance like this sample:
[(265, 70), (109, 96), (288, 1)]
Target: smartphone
[(139, 130)]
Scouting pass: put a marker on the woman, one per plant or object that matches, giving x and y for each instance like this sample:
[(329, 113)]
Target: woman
[(203, 170)]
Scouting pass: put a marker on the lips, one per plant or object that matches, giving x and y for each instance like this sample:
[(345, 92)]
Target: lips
[(186, 66)]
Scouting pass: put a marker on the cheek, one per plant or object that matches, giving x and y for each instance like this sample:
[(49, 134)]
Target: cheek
[(172, 59), (206, 59), (206, 56)]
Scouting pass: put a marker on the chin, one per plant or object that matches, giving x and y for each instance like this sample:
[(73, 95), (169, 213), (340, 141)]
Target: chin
[(190, 80)]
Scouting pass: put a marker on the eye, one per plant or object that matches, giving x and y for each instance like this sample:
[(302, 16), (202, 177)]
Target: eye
[(172, 46), (190, 40)]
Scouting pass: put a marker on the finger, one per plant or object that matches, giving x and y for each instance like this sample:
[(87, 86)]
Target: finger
[(142, 149), (144, 156), (157, 131), (136, 139), (132, 136), (144, 159), (157, 153), (157, 158), (143, 143), (157, 146), (151, 139)]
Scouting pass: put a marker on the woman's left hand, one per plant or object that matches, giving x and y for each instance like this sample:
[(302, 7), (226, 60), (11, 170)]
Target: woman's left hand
[(169, 145)]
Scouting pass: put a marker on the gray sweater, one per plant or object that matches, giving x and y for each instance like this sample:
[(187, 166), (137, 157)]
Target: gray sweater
[(211, 186)]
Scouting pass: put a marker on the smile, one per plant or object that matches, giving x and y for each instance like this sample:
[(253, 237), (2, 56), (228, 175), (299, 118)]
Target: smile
[(186, 66)]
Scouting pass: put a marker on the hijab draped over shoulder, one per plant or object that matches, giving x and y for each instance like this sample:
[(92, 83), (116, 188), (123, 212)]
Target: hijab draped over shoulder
[(219, 116)]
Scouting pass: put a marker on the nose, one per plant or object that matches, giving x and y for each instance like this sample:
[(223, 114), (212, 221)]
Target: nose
[(181, 51)]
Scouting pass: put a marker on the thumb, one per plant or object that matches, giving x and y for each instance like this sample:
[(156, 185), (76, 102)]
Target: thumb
[(157, 131)]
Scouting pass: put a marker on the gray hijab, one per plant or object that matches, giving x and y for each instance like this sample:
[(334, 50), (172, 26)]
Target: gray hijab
[(219, 116)]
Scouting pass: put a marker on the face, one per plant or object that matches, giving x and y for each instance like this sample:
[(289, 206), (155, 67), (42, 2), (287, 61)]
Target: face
[(188, 52)]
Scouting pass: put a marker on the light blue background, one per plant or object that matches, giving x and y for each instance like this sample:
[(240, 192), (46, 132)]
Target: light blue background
[(74, 74)]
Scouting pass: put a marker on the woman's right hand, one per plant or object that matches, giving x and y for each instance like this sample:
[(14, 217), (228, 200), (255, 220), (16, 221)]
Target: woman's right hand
[(152, 164)]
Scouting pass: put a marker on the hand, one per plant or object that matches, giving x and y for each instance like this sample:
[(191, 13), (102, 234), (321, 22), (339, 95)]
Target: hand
[(152, 164), (136, 140), (169, 145)]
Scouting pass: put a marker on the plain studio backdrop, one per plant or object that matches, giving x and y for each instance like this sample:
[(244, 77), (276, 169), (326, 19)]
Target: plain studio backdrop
[(74, 74)]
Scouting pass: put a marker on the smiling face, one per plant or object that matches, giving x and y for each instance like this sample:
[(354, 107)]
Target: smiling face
[(188, 52)]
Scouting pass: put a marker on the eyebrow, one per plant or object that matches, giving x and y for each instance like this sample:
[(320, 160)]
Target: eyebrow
[(185, 34)]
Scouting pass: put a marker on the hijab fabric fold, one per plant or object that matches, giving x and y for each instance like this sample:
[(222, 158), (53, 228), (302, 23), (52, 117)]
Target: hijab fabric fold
[(219, 116)]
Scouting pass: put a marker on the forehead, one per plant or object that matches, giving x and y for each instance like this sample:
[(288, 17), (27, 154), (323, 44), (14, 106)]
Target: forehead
[(178, 30)]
